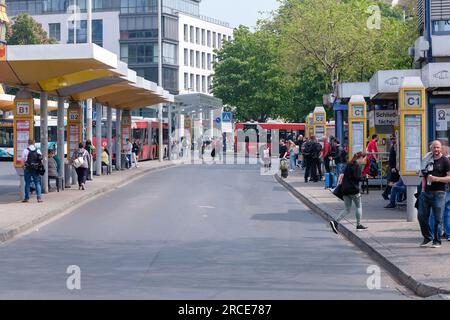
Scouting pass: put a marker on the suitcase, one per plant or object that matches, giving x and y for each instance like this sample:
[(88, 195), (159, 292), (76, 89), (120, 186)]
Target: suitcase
[(330, 180)]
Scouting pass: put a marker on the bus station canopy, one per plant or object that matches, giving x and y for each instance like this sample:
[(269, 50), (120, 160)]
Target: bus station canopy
[(195, 101), (79, 71)]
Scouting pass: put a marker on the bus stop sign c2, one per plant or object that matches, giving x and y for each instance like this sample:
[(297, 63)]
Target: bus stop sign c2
[(227, 117)]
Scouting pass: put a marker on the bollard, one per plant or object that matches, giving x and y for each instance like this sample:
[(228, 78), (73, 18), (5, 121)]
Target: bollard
[(410, 205), (20, 173), (67, 174)]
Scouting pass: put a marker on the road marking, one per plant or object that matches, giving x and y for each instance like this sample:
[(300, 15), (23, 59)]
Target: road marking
[(206, 207)]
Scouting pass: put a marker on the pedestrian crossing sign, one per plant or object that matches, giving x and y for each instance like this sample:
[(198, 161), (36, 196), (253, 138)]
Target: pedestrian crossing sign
[(226, 116)]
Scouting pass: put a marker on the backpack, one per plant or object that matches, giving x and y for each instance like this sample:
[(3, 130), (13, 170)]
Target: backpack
[(34, 162), (307, 148)]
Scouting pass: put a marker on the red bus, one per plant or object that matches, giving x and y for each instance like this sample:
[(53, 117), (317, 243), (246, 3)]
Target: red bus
[(146, 130)]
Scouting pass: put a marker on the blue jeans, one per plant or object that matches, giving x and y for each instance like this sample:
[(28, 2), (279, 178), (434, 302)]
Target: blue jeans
[(397, 189), (339, 169), (31, 175), (292, 161), (428, 201), (446, 217), (128, 161)]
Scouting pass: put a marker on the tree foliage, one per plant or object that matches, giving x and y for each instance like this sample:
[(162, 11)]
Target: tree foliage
[(284, 67), (25, 30)]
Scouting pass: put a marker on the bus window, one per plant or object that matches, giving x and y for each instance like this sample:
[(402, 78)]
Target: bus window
[(6, 134)]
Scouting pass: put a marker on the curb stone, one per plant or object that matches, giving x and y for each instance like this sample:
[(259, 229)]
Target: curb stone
[(419, 288), (10, 234)]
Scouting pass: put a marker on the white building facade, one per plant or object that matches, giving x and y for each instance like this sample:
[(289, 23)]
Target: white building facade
[(199, 39)]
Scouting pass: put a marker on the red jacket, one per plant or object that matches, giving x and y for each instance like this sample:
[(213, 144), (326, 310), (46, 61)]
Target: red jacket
[(372, 148)]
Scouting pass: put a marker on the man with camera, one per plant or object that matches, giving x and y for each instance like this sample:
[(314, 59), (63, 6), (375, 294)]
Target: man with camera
[(435, 177)]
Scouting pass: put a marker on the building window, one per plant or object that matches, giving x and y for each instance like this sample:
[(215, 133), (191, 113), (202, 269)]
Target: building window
[(54, 31), (186, 33), (203, 60), (192, 58), (186, 57), (208, 38), (209, 84), (138, 6), (219, 40), (170, 79), (169, 53), (192, 34), (203, 37), (186, 81), (197, 35), (197, 59), (203, 84), (191, 87), (209, 61), (197, 83), (229, 38), (214, 40), (135, 53), (441, 27), (81, 34)]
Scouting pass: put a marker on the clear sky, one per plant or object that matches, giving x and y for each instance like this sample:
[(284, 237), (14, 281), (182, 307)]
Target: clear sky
[(237, 12)]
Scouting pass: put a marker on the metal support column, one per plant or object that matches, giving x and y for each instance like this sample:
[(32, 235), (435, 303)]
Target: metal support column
[(170, 132), (44, 139), (118, 140), (60, 143), (98, 138), (109, 135)]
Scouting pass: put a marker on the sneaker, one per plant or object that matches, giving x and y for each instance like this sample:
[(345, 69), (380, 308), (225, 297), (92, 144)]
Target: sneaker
[(334, 226), (25, 201), (436, 245), (361, 228), (40, 200), (390, 206), (425, 243)]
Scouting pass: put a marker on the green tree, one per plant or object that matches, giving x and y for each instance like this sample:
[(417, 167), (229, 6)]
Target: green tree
[(25, 30), (338, 37), (248, 77)]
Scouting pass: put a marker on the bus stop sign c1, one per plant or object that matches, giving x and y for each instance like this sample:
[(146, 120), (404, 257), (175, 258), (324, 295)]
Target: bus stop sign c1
[(218, 120)]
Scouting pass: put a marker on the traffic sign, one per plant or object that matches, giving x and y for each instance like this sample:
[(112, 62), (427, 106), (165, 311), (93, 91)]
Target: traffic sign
[(218, 120), (227, 116)]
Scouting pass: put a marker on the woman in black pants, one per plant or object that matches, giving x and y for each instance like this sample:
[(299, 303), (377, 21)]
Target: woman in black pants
[(81, 161)]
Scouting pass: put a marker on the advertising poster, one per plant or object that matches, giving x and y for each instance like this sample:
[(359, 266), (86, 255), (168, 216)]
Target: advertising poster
[(22, 137)]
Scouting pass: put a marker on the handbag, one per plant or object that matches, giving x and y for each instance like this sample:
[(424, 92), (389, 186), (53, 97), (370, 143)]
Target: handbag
[(338, 192), (78, 162)]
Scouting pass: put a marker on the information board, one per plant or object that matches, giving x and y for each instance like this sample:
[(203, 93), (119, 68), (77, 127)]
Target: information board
[(357, 138), (413, 142), (22, 137)]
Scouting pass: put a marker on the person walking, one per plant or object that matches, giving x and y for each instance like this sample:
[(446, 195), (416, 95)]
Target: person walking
[(81, 161), (299, 142), (350, 181), (283, 149), (317, 162), (339, 156), (292, 156), (136, 151), (307, 156), (32, 158), (326, 154), (90, 149), (128, 150), (434, 180)]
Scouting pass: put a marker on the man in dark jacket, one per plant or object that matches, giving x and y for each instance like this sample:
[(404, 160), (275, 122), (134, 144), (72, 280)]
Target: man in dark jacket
[(317, 163), (308, 157), (393, 174)]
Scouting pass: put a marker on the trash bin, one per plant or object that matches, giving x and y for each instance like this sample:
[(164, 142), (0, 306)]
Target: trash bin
[(67, 174)]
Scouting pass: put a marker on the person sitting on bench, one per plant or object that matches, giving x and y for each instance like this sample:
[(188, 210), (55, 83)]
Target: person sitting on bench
[(399, 189)]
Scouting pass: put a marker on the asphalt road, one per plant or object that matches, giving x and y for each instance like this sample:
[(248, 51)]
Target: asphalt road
[(197, 232), (9, 182)]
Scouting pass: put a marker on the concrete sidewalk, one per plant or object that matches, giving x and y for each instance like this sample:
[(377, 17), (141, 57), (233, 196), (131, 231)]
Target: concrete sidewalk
[(17, 217), (390, 240)]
